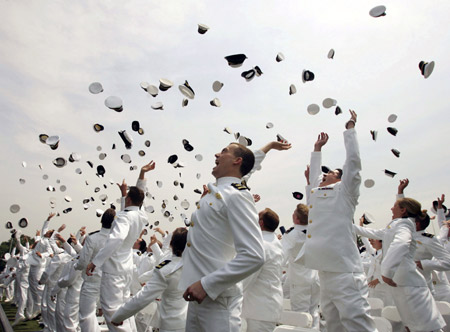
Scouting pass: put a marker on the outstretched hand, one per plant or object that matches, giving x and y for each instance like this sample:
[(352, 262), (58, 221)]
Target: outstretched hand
[(149, 167), (123, 188), (322, 139), (307, 174), (352, 122), (402, 185), (441, 201)]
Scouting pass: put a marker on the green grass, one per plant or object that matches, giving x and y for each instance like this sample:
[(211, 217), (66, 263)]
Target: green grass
[(28, 326)]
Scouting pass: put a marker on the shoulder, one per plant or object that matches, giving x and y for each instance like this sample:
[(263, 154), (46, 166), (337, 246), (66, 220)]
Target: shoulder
[(240, 186), (168, 267), (162, 264), (427, 235), (92, 233)]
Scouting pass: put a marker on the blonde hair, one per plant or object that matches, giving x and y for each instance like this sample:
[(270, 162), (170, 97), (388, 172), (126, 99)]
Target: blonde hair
[(302, 213)]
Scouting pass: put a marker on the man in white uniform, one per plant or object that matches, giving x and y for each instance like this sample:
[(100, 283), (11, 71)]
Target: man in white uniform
[(116, 257), (224, 246), (304, 286), (263, 293), (330, 245)]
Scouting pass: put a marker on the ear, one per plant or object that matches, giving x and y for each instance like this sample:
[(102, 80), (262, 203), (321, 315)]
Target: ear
[(237, 161)]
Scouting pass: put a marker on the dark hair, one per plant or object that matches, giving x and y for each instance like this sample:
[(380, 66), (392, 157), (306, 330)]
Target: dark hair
[(423, 219), (136, 196), (248, 158), (108, 218), (301, 212), (142, 246), (340, 172), (178, 242), (270, 219)]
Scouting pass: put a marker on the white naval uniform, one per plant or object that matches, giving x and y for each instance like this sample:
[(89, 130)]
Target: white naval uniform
[(412, 297), (444, 233), (224, 246), (304, 286), (116, 262), (263, 293), (163, 285), (433, 257), (22, 284), (90, 289), (343, 285)]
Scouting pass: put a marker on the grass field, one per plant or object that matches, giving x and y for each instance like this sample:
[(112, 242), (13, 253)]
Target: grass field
[(10, 312)]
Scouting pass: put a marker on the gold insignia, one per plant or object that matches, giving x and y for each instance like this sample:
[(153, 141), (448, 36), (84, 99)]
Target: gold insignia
[(419, 242), (162, 264), (218, 196), (239, 186)]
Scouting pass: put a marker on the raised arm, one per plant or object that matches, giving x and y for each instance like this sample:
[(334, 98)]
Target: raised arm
[(351, 179), (440, 211), (315, 170)]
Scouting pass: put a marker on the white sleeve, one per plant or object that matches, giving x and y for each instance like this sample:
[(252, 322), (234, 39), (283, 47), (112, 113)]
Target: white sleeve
[(398, 249), (370, 233), (441, 261), (85, 255), (351, 179)]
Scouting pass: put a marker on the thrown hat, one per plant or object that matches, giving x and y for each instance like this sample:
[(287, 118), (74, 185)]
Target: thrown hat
[(152, 90), (95, 88), (329, 102), (325, 169), (114, 103), (185, 204), (165, 84), (338, 110), (248, 75), (245, 141), (188, 147), (62, 188), (392, 131), (68, 198), (158, 106), (173, 158), (144, 85), (198, 157), (23, 222), (126, 158), (292, 89), (374, 134), (368, 218), (269, 125), (281, 139), (307, 76), (99, 212), (330, 54), (389, 173), (14, 208), (202, 28), (378, 11), (184, 102), (396, 152), (426, 68), (98, 127), (297, 195), (217, 86), (435, 207), (101, 170), (126, 138), (102, 156), (43, 138), (9, 225), (369, 183), (147, 143), (392, 118), (235, 60), (135, 125), (279, 57), (313, 109), (67, 210), (186, 90), (74, 157), (53, 142), (21, 181), (60, 162)]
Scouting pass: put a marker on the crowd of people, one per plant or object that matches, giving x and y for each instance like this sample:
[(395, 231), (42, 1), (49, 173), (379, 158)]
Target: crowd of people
[(230, 264)]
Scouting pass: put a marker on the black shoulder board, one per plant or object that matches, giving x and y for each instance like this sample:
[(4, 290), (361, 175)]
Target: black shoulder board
[(239, 186), (428, 235), (304, 231), (289, 230), (162, 264), (94, 232)]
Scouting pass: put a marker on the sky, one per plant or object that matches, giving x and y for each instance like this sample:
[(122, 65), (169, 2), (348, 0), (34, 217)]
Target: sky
[(52, 51)]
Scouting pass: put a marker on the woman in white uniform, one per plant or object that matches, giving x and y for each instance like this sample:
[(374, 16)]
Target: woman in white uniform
[(412, 297)]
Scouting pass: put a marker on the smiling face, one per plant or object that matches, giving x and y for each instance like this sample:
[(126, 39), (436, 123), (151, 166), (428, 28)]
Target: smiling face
[(227, 164), (376, 244), (330, 178)]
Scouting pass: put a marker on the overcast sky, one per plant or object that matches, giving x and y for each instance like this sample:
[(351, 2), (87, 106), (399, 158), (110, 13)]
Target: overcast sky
[(52, 50)]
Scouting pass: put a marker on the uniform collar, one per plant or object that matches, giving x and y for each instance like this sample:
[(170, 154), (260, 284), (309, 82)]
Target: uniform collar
[(132, 208), (227, 180)]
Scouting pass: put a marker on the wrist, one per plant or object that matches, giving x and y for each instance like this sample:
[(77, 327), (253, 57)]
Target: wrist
[(350, 124)]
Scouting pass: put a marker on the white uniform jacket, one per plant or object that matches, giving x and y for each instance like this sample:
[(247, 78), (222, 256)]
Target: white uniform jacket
[(224, 243), (92, 245), (163, 285), (263, 292), (297, 273), (399, 248), (116, 257), (43, 247), (330, 243)]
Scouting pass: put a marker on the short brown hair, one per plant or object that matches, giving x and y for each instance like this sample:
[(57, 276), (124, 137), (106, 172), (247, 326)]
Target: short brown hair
[(270, 219), (248, 158), (108, 218), (301, 211), (178, 242), (413, 207), (136, 196)]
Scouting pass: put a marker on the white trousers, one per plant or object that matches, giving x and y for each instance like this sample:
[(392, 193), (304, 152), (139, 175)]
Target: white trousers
[(221, 315), (22, 287), (260, 326), (417, 308), (114, 291), (36, 289), (343, 299), (306, 298), (71, 319), (59, 310), (89, 296)]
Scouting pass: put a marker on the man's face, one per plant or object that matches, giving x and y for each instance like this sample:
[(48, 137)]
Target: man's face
[(49, 233), (330, 178), (225, 162), (137, 244)]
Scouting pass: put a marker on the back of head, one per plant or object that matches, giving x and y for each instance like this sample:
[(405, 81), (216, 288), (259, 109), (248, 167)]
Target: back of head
[(178, 242), (302, 214), (340, 172), (270, 220), (136, 196), (142, 246), (413, 207), (108, 218), (423, 219), (248, 158)]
